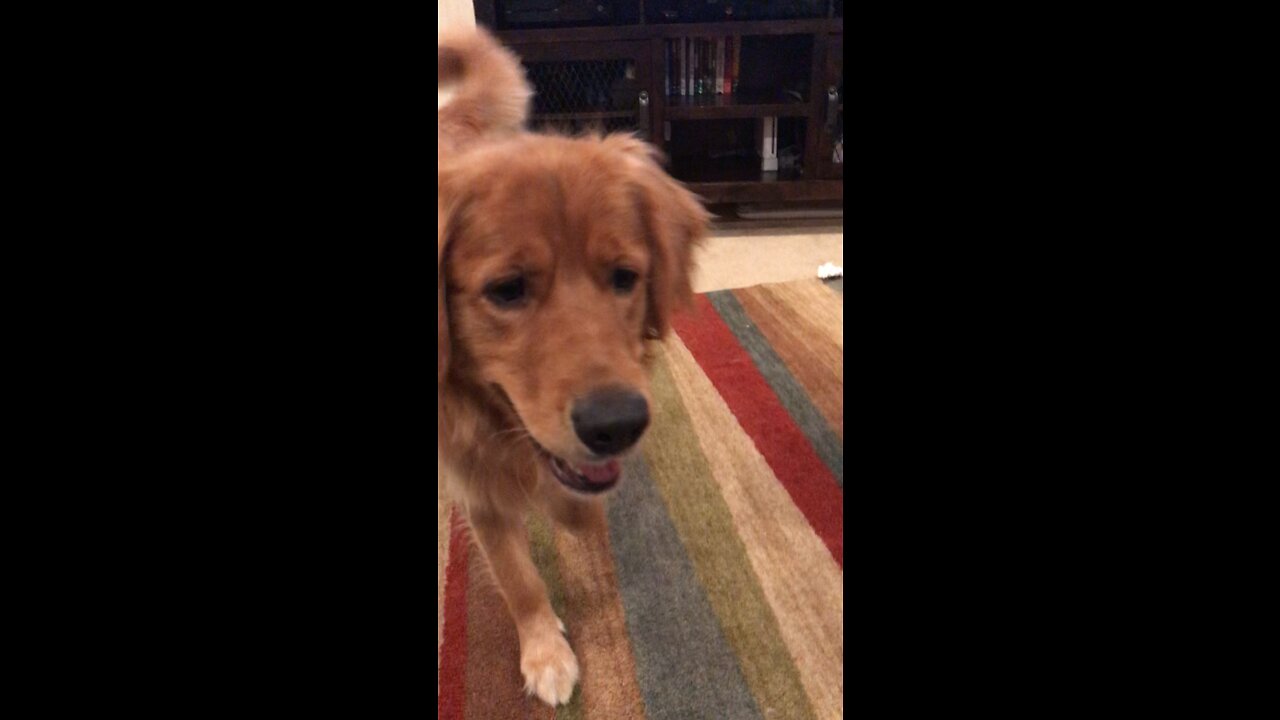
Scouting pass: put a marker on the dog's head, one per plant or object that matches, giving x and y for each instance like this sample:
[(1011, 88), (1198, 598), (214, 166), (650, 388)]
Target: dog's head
[(558, 259)]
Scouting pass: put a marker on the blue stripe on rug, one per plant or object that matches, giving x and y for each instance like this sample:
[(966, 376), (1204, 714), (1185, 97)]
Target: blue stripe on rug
[(684, 664)]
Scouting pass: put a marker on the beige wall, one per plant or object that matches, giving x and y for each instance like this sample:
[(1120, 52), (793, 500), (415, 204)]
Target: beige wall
[(455, 13)]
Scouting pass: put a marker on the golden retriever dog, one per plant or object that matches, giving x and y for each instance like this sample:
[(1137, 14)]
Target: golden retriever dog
[(558, 260)]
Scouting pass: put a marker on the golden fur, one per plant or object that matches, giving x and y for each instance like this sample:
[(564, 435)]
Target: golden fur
[(564, 214)]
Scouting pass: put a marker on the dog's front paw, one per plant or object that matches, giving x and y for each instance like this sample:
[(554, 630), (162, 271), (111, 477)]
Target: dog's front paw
[(549, 667)]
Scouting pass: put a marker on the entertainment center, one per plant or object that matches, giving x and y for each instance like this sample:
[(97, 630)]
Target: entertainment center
[(746, 97)]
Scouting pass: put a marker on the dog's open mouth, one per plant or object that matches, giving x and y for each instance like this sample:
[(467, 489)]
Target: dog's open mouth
[(589, 479)]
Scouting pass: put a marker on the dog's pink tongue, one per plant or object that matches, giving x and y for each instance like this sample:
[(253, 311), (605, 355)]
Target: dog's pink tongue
[(601, 474)]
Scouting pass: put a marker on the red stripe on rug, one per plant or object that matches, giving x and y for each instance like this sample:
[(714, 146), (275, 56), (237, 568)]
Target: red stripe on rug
[(784, 446), (451, 703)]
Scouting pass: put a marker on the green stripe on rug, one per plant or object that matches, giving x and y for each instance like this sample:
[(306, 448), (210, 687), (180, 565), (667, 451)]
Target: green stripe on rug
[(542, 548)]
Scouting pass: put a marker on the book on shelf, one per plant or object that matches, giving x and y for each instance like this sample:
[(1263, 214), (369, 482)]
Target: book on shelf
[(709, 67), (684, 62), (699, 67), (690, 65), (730, 45), (702, 66), (666, 67), (709, 50), (719, 66), (713, 55), (694, 65), (707, 59), (737, 57)]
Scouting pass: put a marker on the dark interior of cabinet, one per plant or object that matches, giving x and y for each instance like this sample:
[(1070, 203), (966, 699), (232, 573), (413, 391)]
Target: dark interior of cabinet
[(777, 67), (720, 151)]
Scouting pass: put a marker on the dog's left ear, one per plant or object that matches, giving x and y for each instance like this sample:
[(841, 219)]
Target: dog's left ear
[(675, 223)]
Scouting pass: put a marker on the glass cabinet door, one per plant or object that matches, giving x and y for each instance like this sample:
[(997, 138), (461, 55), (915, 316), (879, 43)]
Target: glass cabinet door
[(589, 86)]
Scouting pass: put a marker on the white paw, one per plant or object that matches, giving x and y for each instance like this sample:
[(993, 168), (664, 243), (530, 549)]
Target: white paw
[(549, 667)]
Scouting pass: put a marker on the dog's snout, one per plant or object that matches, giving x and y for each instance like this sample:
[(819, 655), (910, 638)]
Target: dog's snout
[(610, 421)]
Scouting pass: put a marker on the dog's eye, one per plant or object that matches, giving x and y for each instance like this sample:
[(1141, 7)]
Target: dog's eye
[(506, 293), (624, 281)]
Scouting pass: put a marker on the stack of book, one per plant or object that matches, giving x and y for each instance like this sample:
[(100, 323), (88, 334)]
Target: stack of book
[(703, 66)]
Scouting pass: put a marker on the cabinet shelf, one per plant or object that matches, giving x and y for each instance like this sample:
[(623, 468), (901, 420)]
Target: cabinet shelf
[(727, 170), (728, 107)]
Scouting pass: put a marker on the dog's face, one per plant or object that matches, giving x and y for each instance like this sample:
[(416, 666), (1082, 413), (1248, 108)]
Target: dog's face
[(558, 259)]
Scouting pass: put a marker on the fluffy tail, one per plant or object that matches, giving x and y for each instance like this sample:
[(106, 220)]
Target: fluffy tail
[(485, 84)]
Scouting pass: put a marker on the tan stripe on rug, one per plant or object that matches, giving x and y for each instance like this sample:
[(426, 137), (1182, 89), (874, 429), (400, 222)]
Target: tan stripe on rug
[(823, 310), (597, 626)]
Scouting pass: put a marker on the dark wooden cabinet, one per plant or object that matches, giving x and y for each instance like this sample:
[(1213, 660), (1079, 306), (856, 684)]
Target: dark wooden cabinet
[(613, 75)]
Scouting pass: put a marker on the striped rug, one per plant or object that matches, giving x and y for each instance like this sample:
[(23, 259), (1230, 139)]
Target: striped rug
[(718, 589)]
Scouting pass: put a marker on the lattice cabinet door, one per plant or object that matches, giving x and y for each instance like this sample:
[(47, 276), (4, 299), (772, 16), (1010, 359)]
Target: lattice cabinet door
[(830, 160), (590, 86)]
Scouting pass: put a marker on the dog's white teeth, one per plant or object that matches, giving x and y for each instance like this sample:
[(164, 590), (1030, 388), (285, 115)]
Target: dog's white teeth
[(564, 467)]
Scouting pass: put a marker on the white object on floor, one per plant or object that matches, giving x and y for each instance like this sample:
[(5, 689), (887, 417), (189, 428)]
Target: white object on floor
[(829, 271)]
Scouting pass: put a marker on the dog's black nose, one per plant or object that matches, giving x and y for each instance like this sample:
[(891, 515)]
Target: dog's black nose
[(610, 421)]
